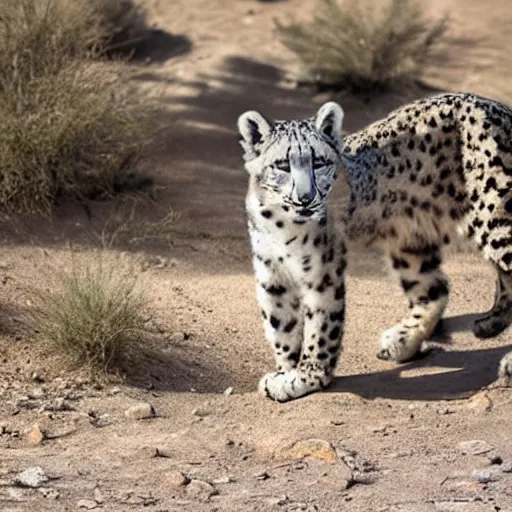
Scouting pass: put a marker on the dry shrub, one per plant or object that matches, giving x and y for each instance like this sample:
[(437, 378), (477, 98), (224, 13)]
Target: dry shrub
[(70, 127), (124, 23), (93, 315), (365, 45)]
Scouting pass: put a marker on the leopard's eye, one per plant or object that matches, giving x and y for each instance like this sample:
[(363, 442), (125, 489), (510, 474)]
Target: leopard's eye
[(282, 165), (318, 163)]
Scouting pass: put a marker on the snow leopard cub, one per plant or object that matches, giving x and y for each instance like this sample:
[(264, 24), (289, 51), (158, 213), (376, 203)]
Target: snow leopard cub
[(298, 254)]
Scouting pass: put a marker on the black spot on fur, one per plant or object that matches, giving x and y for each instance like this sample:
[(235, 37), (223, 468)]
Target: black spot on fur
[(408, 285), (335, 333), (275, 322), (276, 290), (399, 263), (438, 290), (290, 325), (266, 213), (430, 265)]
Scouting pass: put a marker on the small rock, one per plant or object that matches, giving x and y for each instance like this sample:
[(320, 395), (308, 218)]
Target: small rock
[(223, 480), (475, 447), (200, 490), (36, 394), (37, 377), (316, 448), (115, 391), (140, 411), (279, 502), (176, 478), (263, 475), (482, 476), (35, 436), (31, 477), (148, 452), (228, 391), (201, 413), (52, 494), (87, 504), (480, 403), (495, 460), (506, 467), (98, 495)]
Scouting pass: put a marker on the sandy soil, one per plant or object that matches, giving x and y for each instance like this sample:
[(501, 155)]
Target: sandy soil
[(430, 435)]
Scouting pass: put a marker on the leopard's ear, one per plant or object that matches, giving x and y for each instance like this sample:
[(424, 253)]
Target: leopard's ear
[(254, 129), (329, 120)]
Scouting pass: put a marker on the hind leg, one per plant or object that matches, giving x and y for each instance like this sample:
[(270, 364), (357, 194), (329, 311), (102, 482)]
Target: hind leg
[(500, 315), (426, 288)]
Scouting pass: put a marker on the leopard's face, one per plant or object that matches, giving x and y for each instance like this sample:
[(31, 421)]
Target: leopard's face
[(293, 163)]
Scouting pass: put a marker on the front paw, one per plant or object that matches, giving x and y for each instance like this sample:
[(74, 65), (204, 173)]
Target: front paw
[(505, 370), (286, 386), (398, 344)]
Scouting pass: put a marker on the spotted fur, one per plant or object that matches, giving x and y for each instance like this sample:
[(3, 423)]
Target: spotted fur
[(298, 256), (437, 166), (431, 168)]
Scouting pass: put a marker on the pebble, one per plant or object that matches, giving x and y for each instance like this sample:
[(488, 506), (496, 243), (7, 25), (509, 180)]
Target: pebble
[(200, 490), (228, 391), (176, 478), (35, 436), (148, 452), (36, 393), (98, 495), (263, 475), (315, 448), (140, 411), (52, 494), (480, 403), (495, 460), (506, 467), (32, 477), (482, 476), (223, 480), (201, 413), (87, 504), (475, 447)]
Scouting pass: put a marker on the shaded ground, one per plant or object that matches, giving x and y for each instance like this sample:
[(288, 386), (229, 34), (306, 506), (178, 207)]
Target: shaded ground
[(396, 429)]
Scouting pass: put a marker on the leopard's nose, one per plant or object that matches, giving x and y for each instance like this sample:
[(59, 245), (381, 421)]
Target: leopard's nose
[(306, 198)]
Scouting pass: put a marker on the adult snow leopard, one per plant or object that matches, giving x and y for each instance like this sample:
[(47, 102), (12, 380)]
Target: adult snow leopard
[(430, 168)]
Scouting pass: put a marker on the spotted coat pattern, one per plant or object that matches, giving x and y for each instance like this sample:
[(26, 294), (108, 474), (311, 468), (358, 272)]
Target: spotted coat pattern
[(434, 167)]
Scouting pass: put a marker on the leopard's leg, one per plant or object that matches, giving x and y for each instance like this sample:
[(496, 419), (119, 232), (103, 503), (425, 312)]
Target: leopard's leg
[(426, 288), (281, 311), (500, 315), (324, 313)]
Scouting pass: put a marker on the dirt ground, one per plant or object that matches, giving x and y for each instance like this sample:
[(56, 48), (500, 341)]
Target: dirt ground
[(430, 435)]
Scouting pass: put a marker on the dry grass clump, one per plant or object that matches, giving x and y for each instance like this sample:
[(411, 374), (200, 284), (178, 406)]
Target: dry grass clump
[(93, 315), (70, 127), (124, 23), (365, 45)]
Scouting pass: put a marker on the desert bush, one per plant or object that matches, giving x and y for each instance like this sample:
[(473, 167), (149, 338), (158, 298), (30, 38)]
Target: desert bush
[(70, 127), (92, 315), (365, 45), (124, 23)]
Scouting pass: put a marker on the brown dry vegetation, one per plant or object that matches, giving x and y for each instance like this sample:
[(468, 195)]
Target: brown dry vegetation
[(365, 46), (70, 126)]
